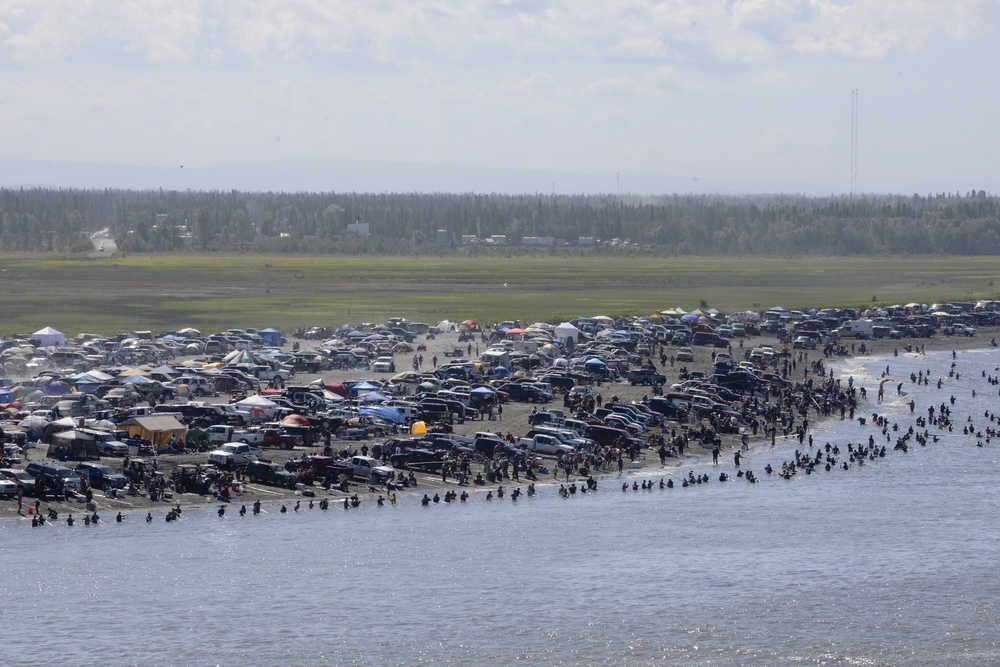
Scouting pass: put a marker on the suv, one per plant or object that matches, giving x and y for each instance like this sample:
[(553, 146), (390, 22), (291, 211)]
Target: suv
[(384, 365), (101, 476), (524, 392), (706, 338), (49, 472)]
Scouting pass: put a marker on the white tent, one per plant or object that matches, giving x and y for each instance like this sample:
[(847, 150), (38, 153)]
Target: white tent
[(49, 336), (567, 330), (258, 403)]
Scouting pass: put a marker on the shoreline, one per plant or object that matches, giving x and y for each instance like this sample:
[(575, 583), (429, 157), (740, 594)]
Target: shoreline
[(694, 455)]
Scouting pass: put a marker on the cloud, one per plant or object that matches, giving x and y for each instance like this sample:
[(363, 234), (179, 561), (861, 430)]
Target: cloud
[(420, 32)]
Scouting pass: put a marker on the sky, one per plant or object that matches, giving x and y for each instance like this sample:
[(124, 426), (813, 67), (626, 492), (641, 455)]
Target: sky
[(735, 96)]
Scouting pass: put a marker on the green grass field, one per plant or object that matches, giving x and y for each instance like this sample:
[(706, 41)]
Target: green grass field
[(213, 292)]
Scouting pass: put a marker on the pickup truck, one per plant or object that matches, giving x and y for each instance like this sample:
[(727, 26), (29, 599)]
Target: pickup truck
[(271, 474), (267, 437), (365, 467), (544, 444), (645, 376), (233, 454)]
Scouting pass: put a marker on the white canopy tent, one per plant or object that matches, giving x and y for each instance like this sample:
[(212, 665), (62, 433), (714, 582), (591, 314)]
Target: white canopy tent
[(567, 331), (48, 336)]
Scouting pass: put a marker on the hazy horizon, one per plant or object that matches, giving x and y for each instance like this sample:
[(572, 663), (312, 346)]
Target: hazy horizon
[(515, 96)]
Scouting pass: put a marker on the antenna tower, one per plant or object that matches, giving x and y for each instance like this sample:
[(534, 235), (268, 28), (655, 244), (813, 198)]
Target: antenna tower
[(855, 123)]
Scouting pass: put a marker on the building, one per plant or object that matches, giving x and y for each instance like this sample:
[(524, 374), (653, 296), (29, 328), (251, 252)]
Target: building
[(497, 239), (362, 229), (442, 237), (585, 240), (547, 241), (470, 239)]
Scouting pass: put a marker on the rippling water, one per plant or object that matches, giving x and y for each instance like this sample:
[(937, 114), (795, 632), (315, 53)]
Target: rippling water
[(895, 562)]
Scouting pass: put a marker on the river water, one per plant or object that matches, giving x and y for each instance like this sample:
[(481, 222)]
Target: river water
[(892, 562)]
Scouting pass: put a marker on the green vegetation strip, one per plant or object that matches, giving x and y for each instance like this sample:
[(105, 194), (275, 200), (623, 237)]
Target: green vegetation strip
[(213, 292)]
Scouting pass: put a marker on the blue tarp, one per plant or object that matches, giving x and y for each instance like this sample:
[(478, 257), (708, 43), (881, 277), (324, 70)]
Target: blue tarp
[(137, 379), (6, 396), (384, 412), (373, 397), (364, 386)]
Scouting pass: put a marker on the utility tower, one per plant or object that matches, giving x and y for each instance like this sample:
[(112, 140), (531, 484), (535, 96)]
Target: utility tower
[(855, 123)]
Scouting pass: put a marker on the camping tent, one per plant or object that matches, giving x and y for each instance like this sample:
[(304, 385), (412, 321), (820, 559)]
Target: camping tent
[(272, 336), (567, 331), (257, 403), (75, 444), (49, 336)]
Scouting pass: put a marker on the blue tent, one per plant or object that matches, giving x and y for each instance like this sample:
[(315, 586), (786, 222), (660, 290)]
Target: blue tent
[(501, 371), (56, 388), (272, 336), (594, 361), (137, 379), (689, 317), (383, 412), (482, 391), (362, 387)]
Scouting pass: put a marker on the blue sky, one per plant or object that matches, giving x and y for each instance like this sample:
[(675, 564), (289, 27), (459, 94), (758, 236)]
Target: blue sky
[(683, 95)]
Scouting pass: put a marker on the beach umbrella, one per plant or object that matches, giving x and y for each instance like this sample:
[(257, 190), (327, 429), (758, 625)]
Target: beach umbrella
[(594, 362), (469, 323), (501, 371), (515, 331), (689, 317), (137, 379), (418, 428), (363, 387), (482, 391)]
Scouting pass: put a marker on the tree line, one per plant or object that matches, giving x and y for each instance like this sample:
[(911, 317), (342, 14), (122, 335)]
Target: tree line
[(49, 220)]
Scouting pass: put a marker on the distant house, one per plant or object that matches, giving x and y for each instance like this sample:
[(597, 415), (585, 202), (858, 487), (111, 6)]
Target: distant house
[(360, 228), (442, 237), (497, 239), (538, 240), (470, 239), (585, 240)]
